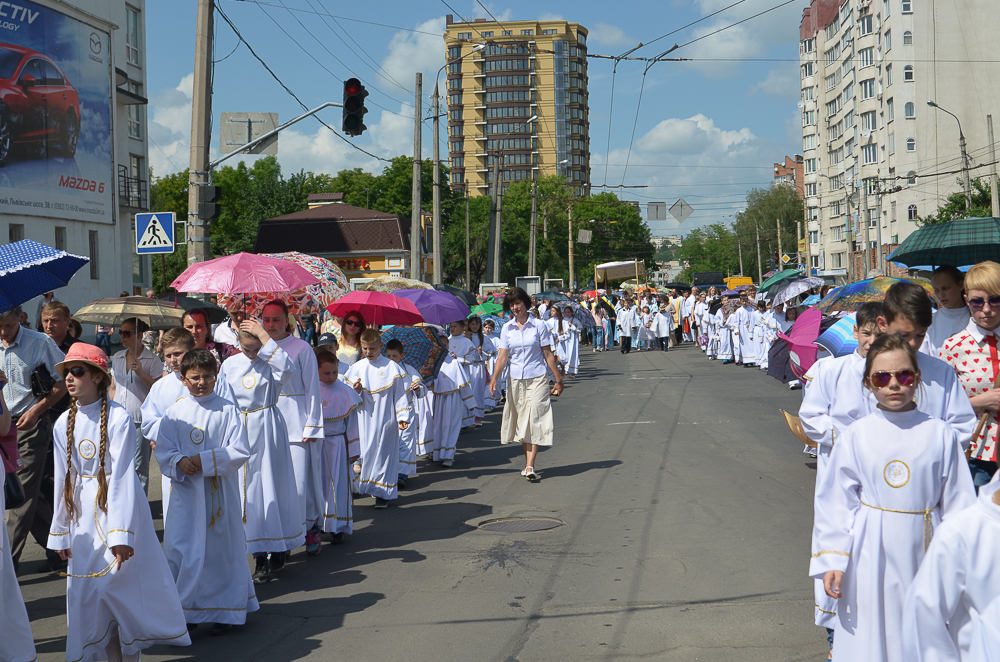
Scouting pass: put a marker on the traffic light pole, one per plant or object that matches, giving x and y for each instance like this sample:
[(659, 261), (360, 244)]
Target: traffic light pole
[(197, 230), (415, 206)]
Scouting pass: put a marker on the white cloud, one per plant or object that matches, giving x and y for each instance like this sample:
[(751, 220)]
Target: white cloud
[(781, 82), (695, 135), (409, 52), (479, 12), (610, 35), (548, 16), (169, 127)]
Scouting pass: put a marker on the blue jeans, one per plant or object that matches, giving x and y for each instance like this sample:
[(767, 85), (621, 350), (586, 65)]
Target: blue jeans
[(104, 342), (598, 338), (982, 472), (309, 335)]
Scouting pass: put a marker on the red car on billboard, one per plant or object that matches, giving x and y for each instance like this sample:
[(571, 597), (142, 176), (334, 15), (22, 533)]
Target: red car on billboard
[(38, 105)]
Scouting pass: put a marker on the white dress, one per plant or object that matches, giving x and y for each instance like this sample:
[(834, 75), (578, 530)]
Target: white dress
[(203, 537), (897, 475), (985, 639), (18, 643), (558, 339), (141, 597), (957, 580), (341, 442), (165, 392), (384, 406), (476, 365), (723, 337), (744, 319), (947, 322), (452, 406), (490, 351), (302, 409), (409, 439), (272, 511), (573, 349)]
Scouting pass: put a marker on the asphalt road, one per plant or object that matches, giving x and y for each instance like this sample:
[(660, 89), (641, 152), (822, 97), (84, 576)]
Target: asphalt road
[(687, 510)]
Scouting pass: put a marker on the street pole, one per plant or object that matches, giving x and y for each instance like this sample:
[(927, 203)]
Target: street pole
[(496, 253), (850, 238), (760, 267), (198, 232), (571, 288), (491, 235), (781, 254), (993, 168), (867, 230), (415, 257), (965, 170), (468, 265), (532, 248), (879, 256), (437, 187), (545, 235)]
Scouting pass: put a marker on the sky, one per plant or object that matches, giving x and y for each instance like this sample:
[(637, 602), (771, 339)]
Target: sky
[(704, 130)]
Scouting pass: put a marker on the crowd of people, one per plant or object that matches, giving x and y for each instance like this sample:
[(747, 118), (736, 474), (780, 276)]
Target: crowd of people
[(263, 446)]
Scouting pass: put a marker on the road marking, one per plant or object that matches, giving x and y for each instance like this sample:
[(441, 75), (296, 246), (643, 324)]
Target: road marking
[(633, 423)]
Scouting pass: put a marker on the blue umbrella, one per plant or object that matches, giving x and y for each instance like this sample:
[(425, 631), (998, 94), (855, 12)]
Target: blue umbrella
[(436, 307), (28, 269), (839, 338)]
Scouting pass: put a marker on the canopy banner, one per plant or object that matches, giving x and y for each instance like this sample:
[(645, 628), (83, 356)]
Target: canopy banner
[(620, 270)]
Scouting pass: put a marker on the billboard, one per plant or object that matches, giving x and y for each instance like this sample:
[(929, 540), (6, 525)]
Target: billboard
[(55, 115)]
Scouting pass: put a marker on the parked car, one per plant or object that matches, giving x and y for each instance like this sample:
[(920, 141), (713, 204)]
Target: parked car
[(38, 105)]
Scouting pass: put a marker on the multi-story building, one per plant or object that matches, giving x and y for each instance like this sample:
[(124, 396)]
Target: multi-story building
[(74, 179), (790, 173), (875, 153), (528, 68)]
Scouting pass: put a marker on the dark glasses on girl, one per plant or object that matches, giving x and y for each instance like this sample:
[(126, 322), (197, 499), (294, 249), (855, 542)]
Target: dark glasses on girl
[(352, 323), (77, 371), (883, 378), (125, 333), (978, 302)]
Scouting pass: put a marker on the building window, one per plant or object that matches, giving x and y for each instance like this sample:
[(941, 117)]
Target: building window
[(810, 189), (911, 213), (888, 75), (907, 6), (890, 110), (866, 23), (60, 238), (892, 144), (551, 31), (911, 177), (909, 110), (888, 40), (867, 56), (457, 161), (486, 34), (907, 38), (508, 33), (869, 154), (809, 118), (838, 260), (868, 121), (454, 83), (15, 232), (814, 236), (454, 51), (807, 45), (868, 89), (908, 73), (809, 142), (810, 165), (458, 146), (911, 145), (455, 100), (849, 91), (132, 36), (455, 114), (807, 69), (464, 35), (527, 33), (134, 114), (94, 275), (455, 68)]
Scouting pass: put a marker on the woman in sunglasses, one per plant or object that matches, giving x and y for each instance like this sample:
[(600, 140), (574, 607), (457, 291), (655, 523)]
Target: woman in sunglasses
[(196, 321), (899, 472), (350, 338), (973, 353)]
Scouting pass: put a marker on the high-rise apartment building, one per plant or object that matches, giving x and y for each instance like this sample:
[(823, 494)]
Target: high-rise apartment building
[(868, 69), (528, 68)]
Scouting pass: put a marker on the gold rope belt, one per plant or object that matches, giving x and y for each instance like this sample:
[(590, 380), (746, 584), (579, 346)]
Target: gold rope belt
[(928, 523)]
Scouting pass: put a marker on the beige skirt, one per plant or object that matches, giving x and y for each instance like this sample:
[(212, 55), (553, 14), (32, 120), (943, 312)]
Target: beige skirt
[(527, 414)]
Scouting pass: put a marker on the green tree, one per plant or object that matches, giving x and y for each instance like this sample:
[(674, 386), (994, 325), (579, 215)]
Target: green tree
[(766, 208), (709, 248), (954, 206)]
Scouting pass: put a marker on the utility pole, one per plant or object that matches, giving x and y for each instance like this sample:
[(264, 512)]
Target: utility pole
[(545, 235), (415, 257), (850, 236), (197, 231), (867, 230), (569, 211), (739, 247), (496, 253), (437, 186), (879, 256), (781, 253), (532, 248), (492, 236), (993, 168), (760, 267), (965, 170), (468, 265)]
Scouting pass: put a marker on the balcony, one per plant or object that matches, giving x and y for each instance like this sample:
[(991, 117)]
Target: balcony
[(132, 191)]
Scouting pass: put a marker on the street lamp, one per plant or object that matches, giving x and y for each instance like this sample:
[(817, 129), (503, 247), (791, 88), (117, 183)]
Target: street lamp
[(532, 240), (965, 156), (437, 163), (493, 238)]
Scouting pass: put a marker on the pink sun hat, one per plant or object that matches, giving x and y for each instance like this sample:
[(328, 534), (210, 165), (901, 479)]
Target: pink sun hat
[(83, 353)]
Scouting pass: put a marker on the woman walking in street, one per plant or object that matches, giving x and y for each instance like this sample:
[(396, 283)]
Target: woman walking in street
[(526, 345)]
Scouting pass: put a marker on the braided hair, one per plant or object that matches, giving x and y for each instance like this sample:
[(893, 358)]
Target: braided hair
[(102, 479)]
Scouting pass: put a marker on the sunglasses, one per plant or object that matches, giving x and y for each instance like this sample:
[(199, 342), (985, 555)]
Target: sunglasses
[(978, 303), (352, 323), (77, 371), (883, 378), (125, 334)]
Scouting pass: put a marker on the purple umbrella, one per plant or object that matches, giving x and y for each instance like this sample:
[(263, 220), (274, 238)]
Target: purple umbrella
[(436, 307)]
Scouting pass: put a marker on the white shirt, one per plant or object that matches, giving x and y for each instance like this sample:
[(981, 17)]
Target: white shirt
[(525, 359), (130, 390)]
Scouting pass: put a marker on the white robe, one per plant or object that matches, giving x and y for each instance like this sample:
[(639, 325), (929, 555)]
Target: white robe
[(165, 392), (490, 351), (957, 580), (452, 405), (203, 538), (724, 332), (947, 322), (897, 475), (271, 507), (572, 348), (341, 442), (18, 643), (302, 409), (744, 321), (688, 312), (558, 339), (409, 438), (385, 405), (476, 365), (985, 644), (141, 597)]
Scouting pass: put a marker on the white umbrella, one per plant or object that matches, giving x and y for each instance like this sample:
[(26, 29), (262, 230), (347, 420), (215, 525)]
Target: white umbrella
[(795, 288)]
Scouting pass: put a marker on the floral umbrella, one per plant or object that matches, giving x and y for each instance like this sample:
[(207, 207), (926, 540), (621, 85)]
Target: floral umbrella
[(847, 298), (581, 316), (423, 347), (393, 283), (309, 300)]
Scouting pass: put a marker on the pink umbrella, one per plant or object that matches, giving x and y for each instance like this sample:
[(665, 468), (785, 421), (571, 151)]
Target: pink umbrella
[(377, 308), (243, 273), (801, 347)]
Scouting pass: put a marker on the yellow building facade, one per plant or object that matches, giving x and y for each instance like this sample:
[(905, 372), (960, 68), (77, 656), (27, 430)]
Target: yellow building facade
[(528, 68)]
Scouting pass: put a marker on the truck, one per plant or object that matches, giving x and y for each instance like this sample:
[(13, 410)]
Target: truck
[(706, 279), (735, 281), (530, 284)]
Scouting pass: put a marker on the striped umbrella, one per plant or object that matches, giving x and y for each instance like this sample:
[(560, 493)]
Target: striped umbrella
[(839, 338)]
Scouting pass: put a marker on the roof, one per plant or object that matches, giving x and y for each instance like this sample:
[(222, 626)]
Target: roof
[(333, 229), (326, 197)]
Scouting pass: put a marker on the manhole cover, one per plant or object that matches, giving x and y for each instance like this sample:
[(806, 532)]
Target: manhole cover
[(520, 524)]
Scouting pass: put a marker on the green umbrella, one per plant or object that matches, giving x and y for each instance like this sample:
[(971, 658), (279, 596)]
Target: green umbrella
[(780, 279), (488, 308), (961, 242)]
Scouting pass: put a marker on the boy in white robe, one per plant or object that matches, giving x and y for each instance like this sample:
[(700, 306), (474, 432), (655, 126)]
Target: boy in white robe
[(462, 350), (452, 404), (415, 390), (272, 512), (201, 444), (341, 445), (302, 409), (382, 386), (744, 321), (663, 326)]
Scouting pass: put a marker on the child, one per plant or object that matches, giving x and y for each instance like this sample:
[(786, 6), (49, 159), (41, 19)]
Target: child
[(341, 445), (386, 412), (166, 391), (572, 344), (415, 390), (453, 403), (957, 579), (461, 348), (953, 315), (120, 595), (201, 445), (745, 321), (896, 474), (490, 336), (663, 327), (18, 643), (477, 366), (272, 512)]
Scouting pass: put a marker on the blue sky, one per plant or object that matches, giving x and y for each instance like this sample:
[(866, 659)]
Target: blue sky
[(706, 130)]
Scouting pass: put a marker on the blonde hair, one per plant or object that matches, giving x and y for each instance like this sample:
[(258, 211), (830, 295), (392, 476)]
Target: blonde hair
[(984, 276), (102, 479)]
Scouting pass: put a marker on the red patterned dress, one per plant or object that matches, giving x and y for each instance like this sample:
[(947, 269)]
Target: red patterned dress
[(973, 353)]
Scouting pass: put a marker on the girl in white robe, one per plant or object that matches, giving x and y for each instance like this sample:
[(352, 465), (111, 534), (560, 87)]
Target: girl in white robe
[(120, 595), (453, 404), (463, 351), (572, 344), (477, 366), (204, 533), (646, 335), (558, 328), (272, 512), (490, 352), (341, 446), (744, 320), (409, 438), (663, 326), (898, 473)]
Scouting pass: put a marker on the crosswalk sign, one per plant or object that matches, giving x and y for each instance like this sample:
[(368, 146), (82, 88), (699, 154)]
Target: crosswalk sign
[(154, 233)]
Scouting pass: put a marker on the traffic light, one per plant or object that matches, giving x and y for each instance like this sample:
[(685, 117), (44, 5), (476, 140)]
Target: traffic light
[(354, 107), (208, 202)]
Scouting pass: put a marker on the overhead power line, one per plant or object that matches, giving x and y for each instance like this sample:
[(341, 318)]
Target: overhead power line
[(342, 18)]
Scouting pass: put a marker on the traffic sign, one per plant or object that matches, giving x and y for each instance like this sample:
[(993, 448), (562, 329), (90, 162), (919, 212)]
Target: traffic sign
[(681, 210), (154, 233), (802, 267), (785, 259)]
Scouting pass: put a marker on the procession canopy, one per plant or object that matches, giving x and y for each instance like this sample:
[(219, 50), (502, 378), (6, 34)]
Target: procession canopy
[(620, 270)]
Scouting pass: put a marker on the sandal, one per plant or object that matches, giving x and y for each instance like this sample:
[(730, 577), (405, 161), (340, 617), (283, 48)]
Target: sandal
[(529, 473)]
